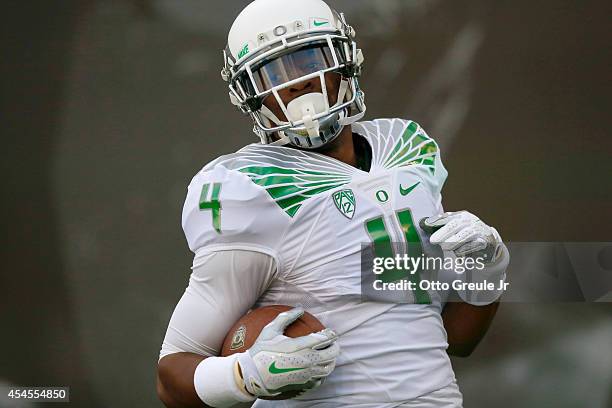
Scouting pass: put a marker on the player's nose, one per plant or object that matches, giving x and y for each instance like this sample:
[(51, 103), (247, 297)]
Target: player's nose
[(300, 87)]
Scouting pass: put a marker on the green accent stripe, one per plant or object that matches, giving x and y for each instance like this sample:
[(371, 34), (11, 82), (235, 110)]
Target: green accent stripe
[(415, 250), (293, 211), (289, 188), (382, 248), (397, 150), (413, 148)]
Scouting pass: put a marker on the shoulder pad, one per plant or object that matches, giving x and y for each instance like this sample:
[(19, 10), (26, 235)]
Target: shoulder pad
[(224, 207), (403, 143)]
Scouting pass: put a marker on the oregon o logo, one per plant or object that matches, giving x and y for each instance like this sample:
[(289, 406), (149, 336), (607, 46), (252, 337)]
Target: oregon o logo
[(382, 196)]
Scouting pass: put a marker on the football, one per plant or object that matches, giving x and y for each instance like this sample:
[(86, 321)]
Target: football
[(246, 330)]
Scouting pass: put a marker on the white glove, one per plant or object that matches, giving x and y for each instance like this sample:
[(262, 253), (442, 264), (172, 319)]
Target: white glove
[(463, 233), (277, 363)]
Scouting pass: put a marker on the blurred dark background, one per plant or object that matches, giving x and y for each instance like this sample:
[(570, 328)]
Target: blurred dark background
[(110, 107)]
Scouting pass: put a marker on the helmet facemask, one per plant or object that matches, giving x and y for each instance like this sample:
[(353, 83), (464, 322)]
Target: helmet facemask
[(303, 60)]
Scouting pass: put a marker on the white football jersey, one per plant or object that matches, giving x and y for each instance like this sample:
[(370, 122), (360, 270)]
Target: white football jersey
[(314, 214)]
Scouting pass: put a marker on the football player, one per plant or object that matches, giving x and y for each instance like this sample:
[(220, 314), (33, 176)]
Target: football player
[(283, 221)]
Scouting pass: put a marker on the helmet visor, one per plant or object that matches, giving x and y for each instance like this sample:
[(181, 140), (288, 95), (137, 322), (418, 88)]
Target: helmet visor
[(299, 63)]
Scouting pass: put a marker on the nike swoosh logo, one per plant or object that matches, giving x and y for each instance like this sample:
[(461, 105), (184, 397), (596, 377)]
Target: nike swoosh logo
[(275, 370), (319, 24), (406, 191)]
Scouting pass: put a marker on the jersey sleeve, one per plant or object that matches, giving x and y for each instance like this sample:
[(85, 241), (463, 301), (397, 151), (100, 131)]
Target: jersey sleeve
[(223, 286), (225, 209)]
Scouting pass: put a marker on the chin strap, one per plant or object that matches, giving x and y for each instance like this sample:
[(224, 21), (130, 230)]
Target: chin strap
[(347, 120), (351, 119), (268, 114), (344, 85), (283, 141)]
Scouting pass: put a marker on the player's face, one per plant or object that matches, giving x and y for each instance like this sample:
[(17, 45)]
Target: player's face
[(332, 82)]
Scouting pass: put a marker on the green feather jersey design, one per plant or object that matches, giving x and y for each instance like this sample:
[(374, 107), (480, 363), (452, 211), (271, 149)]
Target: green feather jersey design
[(292, 176)]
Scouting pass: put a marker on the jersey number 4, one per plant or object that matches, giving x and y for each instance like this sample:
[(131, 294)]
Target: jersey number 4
[(212, 203)]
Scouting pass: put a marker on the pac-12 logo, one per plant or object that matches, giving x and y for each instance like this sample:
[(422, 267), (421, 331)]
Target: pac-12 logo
[(345, 202)]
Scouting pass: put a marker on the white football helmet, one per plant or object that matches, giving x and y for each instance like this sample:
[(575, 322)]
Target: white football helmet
[(276, 44)]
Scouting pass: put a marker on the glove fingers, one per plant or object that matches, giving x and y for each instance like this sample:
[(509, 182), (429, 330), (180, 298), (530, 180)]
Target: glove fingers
[(465, 235), (276, 363), (322, 370), (318, 340), (326, 355), (437, 220), (280, 323), (445, 217), (447, 231), (473, 238), (330, 337), (495, 235), (311, 385), (316, 383), (471, 247)]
